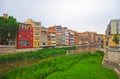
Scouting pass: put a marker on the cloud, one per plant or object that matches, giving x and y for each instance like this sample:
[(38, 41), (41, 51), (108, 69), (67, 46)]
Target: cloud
[(80, 15)]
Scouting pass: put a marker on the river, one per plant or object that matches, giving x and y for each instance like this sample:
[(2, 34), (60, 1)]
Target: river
[(4, 67), (81, 49)]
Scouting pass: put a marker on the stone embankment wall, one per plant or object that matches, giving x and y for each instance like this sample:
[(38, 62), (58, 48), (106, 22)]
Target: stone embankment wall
[(5, 51), (112, 65), (112, 60)]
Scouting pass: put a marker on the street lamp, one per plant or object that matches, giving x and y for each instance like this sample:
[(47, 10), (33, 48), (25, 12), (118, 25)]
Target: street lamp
[(119, 43), (9, 38)]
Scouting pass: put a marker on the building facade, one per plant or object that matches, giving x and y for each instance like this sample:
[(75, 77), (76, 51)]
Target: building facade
[(112, 29), (36, 32), (25, 36), (68, 38), (59, 31), (71, 36), (84, 38), (76, 38), (44, 37), (51, 37)]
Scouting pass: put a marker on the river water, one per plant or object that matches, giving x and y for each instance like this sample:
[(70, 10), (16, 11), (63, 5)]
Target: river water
[(4, 67), (81, 49), (22, 63)]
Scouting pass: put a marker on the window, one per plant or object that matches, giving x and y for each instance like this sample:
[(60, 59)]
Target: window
[(37, 38), (37, 28), (20, 29), (52, 36), (71, 40), (106, 43), (28, 36), (20, 36), (36, 33), (49, 37), (44, 43), (24, 42), (27, 43)]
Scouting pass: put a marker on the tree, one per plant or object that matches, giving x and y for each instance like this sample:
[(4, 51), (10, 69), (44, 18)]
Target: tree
[(116, 39), (8, 29)]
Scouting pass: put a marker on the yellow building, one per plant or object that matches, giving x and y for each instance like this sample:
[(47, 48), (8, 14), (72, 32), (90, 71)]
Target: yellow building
[(111, 43), (36, 32), (105, 42), (112, 29)]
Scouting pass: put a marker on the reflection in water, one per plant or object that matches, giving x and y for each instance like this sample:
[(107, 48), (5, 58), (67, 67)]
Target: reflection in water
[(21, 63), (14, 64), (90, 49)]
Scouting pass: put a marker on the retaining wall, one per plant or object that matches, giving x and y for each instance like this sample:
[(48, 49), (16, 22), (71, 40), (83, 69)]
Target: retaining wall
[(5, 51), (111, 60), (112, 65)]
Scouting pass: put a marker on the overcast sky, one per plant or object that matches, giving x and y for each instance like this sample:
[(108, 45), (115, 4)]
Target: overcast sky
[(79, 15)]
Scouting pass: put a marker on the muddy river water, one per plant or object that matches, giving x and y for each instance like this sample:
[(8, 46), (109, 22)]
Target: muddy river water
[(4, 67)]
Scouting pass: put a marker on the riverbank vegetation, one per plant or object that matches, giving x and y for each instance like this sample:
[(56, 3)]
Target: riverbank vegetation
[(40, 54), (74, 66)]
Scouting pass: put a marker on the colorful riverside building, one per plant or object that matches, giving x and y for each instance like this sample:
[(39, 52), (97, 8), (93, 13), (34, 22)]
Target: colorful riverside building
[(91, 38), (44, 36), (25, 36), (36, 32), (84, 38), (51, 37), (68, 38), (71, 36), (112, 29), (76, 38), (59, 31)]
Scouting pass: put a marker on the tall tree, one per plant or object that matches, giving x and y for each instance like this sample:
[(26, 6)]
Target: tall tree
[(116, 39), (8, 29)]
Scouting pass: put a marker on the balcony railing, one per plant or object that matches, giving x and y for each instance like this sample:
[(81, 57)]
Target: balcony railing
[(114, 49)]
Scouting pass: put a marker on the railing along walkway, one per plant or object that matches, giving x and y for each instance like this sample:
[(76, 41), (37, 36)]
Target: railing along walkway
[(4, 49)]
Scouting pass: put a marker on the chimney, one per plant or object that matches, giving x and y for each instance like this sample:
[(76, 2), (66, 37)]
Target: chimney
[(5, 15)]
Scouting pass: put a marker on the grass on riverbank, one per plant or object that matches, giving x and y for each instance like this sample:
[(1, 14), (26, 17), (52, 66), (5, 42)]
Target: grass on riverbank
[(40, 54), (75, 66)]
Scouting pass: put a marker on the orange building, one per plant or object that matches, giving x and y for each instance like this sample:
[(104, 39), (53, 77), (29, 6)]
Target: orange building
[(95, 37), (84, 38), (51, 29), (58, 30), (51, 37), (76, 38), (90, 38)]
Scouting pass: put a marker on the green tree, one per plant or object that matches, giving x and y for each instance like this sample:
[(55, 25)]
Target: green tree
[(116, 39), (8, 29)]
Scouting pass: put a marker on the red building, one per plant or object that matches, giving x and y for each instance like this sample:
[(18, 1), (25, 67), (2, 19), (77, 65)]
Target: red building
[(25, 36)]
